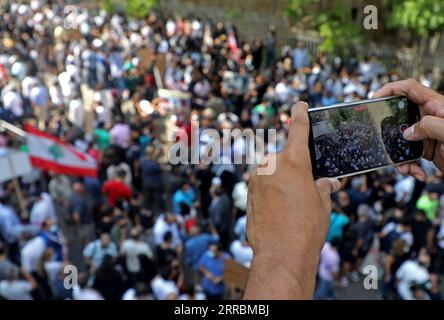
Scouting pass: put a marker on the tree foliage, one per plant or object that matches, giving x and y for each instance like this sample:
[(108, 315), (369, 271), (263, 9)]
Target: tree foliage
[(421, 17), (333, 21), (134, 8)]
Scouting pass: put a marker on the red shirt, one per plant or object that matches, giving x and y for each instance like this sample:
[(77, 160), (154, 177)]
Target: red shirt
[(116, 189)]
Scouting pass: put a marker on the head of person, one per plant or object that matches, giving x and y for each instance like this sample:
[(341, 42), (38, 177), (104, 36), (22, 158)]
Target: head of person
[(78, 187), (343, 199), (105, 240), (216, 191), (214, 250), (194, 231), (142, 290), (419, 215), (168, 237), (364, 212), (418, 291), (246, 177), (170, 218), (335, 242), (135, 233), (185, 186), (406, 224), (424, 258), (121, 174)]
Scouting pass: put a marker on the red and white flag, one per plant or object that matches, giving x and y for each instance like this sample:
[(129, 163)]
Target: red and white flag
[(232, 44), (48, 153)]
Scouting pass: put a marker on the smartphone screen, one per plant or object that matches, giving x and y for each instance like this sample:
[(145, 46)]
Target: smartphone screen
[(347, 139)]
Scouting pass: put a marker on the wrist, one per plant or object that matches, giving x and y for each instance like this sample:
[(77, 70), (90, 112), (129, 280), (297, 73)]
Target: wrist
[(288, 277)]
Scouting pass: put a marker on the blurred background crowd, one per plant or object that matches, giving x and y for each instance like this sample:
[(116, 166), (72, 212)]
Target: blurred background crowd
[(147, 229)]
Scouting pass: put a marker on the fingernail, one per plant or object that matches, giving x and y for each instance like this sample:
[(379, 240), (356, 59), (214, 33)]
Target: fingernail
[(299, 104), (409, 132), (419, 177), (336, 184)]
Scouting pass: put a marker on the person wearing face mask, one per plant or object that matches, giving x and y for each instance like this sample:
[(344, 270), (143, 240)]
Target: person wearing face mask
[(36, 246), (211, 265)]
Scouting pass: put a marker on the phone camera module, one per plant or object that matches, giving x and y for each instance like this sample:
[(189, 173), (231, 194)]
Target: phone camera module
[(403, 127)]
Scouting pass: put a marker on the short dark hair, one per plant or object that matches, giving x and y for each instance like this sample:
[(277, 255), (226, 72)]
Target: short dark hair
[(121, 173), (167, 236)]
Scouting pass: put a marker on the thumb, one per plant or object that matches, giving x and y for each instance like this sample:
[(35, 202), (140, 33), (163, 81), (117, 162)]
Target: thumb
[(299, 127), (327, 186), (427, 128)]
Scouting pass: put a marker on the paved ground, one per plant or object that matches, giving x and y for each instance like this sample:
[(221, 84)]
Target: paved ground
[(356, 291)]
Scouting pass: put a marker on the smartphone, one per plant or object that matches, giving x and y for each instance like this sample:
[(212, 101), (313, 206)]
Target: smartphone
[(353, 138)]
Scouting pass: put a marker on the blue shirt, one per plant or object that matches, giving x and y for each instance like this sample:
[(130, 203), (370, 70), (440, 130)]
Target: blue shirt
[(337, 223), (181, 196), (96, 252), (216, 267), (196, 246)]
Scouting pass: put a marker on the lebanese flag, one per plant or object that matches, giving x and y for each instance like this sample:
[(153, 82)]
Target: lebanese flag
[(232, 44), (48, 153)]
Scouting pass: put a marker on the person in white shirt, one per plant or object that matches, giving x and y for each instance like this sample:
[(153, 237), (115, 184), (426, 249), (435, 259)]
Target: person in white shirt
[(15, 289), (328, 270), (42, 210), (164, 288), (242, 252), (239, 195), (13, 101), (139, 292), (132, 248), (412, 273), (76, 112), (404, 189), (32, 252), (164, 223), (82, 292)]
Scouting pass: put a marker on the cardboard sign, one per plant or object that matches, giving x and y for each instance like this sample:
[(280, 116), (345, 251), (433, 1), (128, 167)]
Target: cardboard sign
[(13, 164), (146, 58), (235, 274), (161, 64)]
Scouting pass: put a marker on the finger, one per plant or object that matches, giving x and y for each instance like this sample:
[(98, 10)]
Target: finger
[(327, 186), (298, 131), (414, 170), (428, 127), (417, 172), (410, 88), (404, 169), (429, 149)]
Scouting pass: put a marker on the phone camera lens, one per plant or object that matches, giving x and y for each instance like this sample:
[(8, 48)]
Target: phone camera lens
[(403, 127)]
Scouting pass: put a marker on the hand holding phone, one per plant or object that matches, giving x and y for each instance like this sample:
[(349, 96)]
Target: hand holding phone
[(358, 137), (430, 128)]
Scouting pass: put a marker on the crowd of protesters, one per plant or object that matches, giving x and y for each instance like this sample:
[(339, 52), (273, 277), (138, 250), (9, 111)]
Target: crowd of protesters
[(146, 229), (353, 146)]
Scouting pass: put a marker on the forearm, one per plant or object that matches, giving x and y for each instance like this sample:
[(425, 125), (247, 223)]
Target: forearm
[(286, 278)]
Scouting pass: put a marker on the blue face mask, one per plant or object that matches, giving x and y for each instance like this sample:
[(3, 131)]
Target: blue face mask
[(53, 229), (211, 254)]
